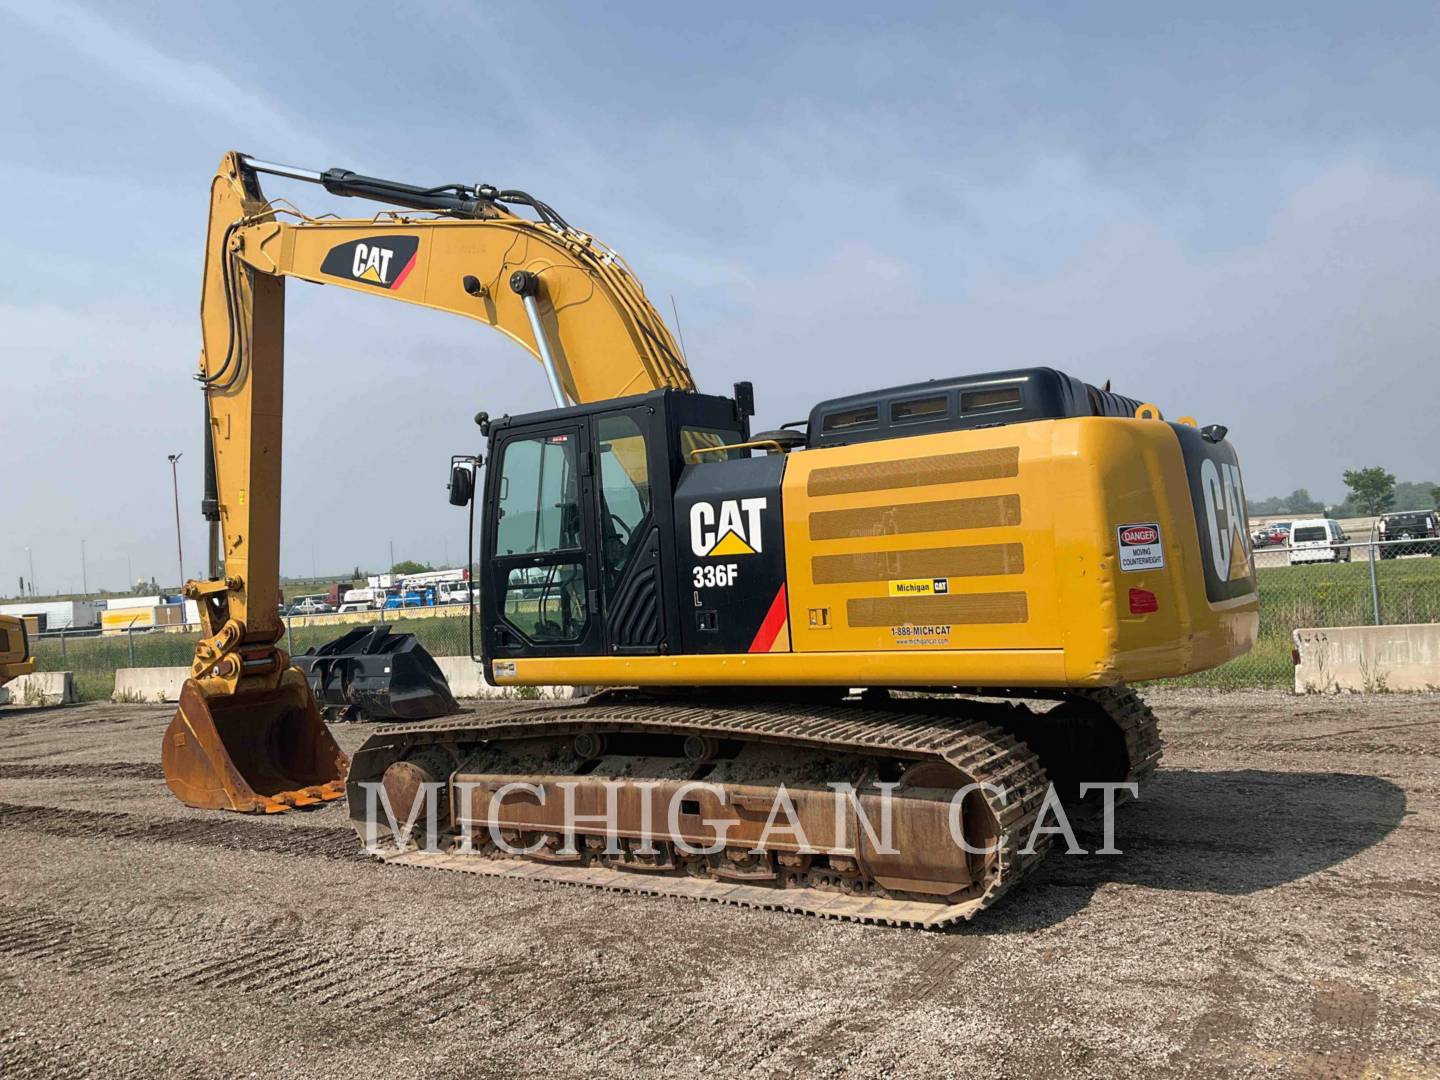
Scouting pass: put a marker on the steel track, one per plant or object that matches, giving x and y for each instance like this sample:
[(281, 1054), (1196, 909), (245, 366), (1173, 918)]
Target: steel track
[(984, 748)]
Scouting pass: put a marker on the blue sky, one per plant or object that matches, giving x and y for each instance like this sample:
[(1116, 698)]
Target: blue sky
[(1231, 212)]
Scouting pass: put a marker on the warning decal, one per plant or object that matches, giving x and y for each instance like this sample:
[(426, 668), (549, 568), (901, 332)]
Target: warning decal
[(1140, 547)]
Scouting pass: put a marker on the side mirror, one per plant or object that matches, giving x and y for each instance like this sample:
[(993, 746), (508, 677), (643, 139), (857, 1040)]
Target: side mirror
[(462, 485)]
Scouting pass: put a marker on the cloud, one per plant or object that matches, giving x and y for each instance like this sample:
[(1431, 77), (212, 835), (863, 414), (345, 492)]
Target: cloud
[(1316, 343), (1207, 213), (181, 83)]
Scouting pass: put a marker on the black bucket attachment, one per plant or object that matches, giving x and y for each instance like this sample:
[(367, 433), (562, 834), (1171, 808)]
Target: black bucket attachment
[(372, 674)]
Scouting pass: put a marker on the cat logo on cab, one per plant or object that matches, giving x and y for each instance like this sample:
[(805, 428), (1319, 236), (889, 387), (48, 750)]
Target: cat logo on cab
[(733, 529)]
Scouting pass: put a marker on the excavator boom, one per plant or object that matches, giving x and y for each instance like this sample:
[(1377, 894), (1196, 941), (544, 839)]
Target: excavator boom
[(248, 735)]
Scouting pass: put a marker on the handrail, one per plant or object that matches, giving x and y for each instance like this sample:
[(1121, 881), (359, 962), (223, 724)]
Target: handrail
[(768, 444)]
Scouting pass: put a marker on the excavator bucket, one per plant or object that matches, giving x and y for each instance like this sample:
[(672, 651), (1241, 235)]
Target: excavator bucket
[(256, 752), (371, 674)]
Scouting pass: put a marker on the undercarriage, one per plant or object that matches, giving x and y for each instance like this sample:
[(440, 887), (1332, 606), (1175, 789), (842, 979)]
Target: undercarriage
[(914, 811)]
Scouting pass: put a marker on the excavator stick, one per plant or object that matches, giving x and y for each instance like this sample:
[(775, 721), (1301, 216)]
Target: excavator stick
[(256, 752)]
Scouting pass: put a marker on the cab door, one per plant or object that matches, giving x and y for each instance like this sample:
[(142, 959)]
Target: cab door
[(632, 493), (542, 576)]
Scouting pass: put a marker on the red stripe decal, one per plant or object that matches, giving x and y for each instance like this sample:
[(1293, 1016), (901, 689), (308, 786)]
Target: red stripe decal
[(770, 628), (406, 272)]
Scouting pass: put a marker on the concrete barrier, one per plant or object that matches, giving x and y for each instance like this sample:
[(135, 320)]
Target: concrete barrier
[(43, 688), (157, 684), (465, 676), (1368, 659)]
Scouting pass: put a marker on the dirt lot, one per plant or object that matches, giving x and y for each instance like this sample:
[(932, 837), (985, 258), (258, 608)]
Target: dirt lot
[(1274, 913)]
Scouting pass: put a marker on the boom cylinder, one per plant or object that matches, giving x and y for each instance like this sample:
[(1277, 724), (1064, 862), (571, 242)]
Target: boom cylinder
[(450, 198), (210, 504), (527, 285)]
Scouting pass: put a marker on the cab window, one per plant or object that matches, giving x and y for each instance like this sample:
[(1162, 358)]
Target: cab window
[(546, 603), (539, 506), (538, 511), (624, 491), (696, 438), (865, 416)]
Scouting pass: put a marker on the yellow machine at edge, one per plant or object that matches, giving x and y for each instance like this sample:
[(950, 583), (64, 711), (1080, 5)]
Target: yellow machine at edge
[(933, 586), (15, 658)]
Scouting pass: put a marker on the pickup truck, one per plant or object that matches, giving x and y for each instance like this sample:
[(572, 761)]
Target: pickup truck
[(1417, 525)]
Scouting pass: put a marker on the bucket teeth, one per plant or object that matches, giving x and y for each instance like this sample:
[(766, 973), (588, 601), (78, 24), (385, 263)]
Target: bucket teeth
[(258, 752)]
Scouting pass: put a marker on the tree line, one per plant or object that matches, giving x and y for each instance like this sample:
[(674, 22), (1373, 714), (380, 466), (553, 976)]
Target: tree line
[(1372, 491)]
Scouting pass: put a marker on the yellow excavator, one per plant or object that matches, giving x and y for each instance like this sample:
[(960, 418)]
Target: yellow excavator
[(930, 597), (15, 658)]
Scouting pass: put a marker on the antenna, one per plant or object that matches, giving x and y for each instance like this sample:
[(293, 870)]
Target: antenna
[(679, 332)]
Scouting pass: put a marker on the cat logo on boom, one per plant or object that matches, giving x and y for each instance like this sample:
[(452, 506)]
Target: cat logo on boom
[(382, 261), (733, 529)]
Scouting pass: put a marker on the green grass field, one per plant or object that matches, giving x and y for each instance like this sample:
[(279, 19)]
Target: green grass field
[(1290, 597), (1324, 595), (94, 659)]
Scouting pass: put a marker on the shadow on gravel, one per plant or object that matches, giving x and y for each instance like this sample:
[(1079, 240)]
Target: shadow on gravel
[(1229, 833)]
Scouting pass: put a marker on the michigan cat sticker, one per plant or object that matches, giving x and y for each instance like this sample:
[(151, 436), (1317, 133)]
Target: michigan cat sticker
[(382, 261), (920, 587)]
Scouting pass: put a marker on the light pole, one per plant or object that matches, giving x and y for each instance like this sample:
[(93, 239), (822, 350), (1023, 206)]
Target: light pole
[(31, 556), (175, 483)]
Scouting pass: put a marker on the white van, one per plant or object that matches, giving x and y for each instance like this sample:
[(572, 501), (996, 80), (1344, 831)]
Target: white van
[(1315, 540)]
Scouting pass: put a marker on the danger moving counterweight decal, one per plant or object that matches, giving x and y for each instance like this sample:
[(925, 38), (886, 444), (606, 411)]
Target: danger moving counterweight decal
[(1140, 547)]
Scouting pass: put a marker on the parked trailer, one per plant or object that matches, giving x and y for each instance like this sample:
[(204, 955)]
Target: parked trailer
[(126, 619), (59, 614), (118, 603)]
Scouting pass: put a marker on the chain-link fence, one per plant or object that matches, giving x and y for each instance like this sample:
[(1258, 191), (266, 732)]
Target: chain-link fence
[(1334, 584), (1362, 583), (93, 656)]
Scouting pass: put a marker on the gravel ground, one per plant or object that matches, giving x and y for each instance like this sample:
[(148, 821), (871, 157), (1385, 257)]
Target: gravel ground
[(1273, 913)]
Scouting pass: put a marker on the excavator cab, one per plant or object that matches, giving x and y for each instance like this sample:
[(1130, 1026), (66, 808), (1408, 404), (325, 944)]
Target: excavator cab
[(582, 532)]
